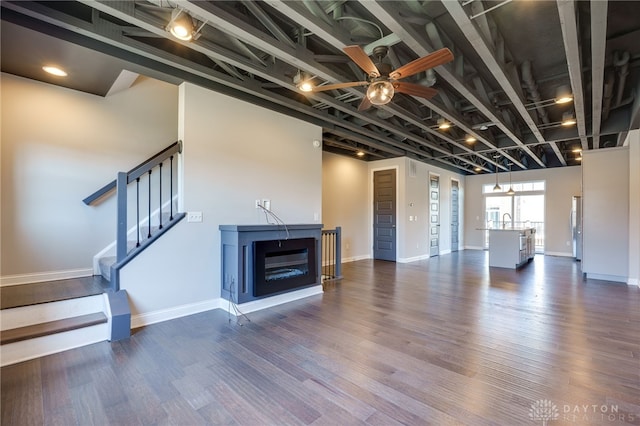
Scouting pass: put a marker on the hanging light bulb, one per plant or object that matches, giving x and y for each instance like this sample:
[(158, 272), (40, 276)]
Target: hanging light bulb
[(497, 187), (510, 191)]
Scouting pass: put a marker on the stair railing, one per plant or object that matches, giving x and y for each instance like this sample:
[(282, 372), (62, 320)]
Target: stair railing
[(331, 254), (151, 168)]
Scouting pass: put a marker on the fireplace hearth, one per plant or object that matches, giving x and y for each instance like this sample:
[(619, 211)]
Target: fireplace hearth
[(259, 261)]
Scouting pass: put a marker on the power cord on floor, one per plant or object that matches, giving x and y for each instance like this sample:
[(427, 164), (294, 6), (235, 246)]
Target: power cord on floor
[(233, 304)]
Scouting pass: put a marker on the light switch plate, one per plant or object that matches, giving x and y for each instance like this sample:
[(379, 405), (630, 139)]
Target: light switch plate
[(194, 216)]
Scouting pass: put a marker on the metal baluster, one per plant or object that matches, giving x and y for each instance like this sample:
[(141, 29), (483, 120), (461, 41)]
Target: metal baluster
[(149, 216), (171, 187), (137, 212), (333, 256), (160, 192)]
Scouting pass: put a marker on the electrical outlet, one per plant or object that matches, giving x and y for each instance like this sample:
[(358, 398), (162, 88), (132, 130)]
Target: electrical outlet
[(194, 216), (266, 204), (258, 204)]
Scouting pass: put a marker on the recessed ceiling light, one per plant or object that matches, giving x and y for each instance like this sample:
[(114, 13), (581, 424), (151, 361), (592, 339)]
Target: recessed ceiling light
[(54, 71), (360, 154)]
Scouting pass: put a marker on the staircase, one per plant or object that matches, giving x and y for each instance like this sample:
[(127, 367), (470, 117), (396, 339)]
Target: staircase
[(43, 318)]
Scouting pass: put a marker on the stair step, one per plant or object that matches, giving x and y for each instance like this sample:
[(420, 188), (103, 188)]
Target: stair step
[(48, 328), (51, 291)]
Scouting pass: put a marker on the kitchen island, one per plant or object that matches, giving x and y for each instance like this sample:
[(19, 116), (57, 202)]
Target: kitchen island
[(511, 247)]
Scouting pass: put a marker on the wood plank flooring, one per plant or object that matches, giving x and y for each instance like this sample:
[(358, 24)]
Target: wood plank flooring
[(441, 341)]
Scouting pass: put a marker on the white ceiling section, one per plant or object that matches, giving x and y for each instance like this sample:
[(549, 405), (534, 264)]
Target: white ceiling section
[(510, 57)]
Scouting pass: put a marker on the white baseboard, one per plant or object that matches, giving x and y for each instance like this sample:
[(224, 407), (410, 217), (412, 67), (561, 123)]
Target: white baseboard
[(39, 277), (633, 281), (356, 258), (148, 318), (443, 252), (413, 259), (24, 350), (558, 253), (473, 248), (605, 277), (269, 302)]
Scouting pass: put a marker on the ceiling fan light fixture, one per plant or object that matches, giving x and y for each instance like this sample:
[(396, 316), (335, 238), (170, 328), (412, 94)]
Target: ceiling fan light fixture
[(181, 25), (380, 92), (563, 95)]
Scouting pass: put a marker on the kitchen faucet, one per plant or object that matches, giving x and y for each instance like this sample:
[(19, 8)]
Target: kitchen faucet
[(504, 223)]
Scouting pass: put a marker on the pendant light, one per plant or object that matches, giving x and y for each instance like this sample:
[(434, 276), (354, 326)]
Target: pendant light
[(497, 187), (510, 191)]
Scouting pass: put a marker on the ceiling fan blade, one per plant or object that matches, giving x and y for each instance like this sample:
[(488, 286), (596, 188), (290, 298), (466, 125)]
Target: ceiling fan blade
[(365, 104), (439, 57), (361, 59), (415, 90), (339, 86)]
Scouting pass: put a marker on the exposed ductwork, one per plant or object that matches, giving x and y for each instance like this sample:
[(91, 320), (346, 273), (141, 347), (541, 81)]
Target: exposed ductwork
[(534, 94)]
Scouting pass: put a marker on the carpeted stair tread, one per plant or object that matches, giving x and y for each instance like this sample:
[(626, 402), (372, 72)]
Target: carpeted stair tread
[(53, 327)]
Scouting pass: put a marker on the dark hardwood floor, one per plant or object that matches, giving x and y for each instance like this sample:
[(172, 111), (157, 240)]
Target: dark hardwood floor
[(443, 341)]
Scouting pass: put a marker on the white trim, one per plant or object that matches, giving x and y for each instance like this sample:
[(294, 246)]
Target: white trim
[(24, 350), (605, 277), (558, 253), (473, 248), (161, 315), (38, 277), (355, 258), (269, 302), (413, 259), (633, 281), (23, 316), (448, 251)]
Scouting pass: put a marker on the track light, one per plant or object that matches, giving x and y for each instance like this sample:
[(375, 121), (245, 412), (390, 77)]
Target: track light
[(563, 95), (443, 124), (360, 154), (380, 92), (469, 138), (568, 119), (181, 25)]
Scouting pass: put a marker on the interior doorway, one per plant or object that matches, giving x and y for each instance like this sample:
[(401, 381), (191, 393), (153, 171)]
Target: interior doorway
[(434, 215), (455, 217), (384, 215)]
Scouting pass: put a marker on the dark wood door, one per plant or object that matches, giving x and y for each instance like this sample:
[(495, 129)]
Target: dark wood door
[(384, 215), (434, 215), (455, 224)]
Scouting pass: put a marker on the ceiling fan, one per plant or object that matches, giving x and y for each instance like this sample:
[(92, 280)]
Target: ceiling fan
[(383, 81)]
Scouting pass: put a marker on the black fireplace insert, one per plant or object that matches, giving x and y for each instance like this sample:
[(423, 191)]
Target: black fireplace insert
[(282, 265)]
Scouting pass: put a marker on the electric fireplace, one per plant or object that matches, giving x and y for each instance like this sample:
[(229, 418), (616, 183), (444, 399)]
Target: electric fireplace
[(261, 261), (281, 265)]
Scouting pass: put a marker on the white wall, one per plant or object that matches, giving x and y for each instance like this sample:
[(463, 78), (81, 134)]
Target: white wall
[(61, 145), (561, 184), (412, 199), (234, 153), (605, 180), (344, 203)]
